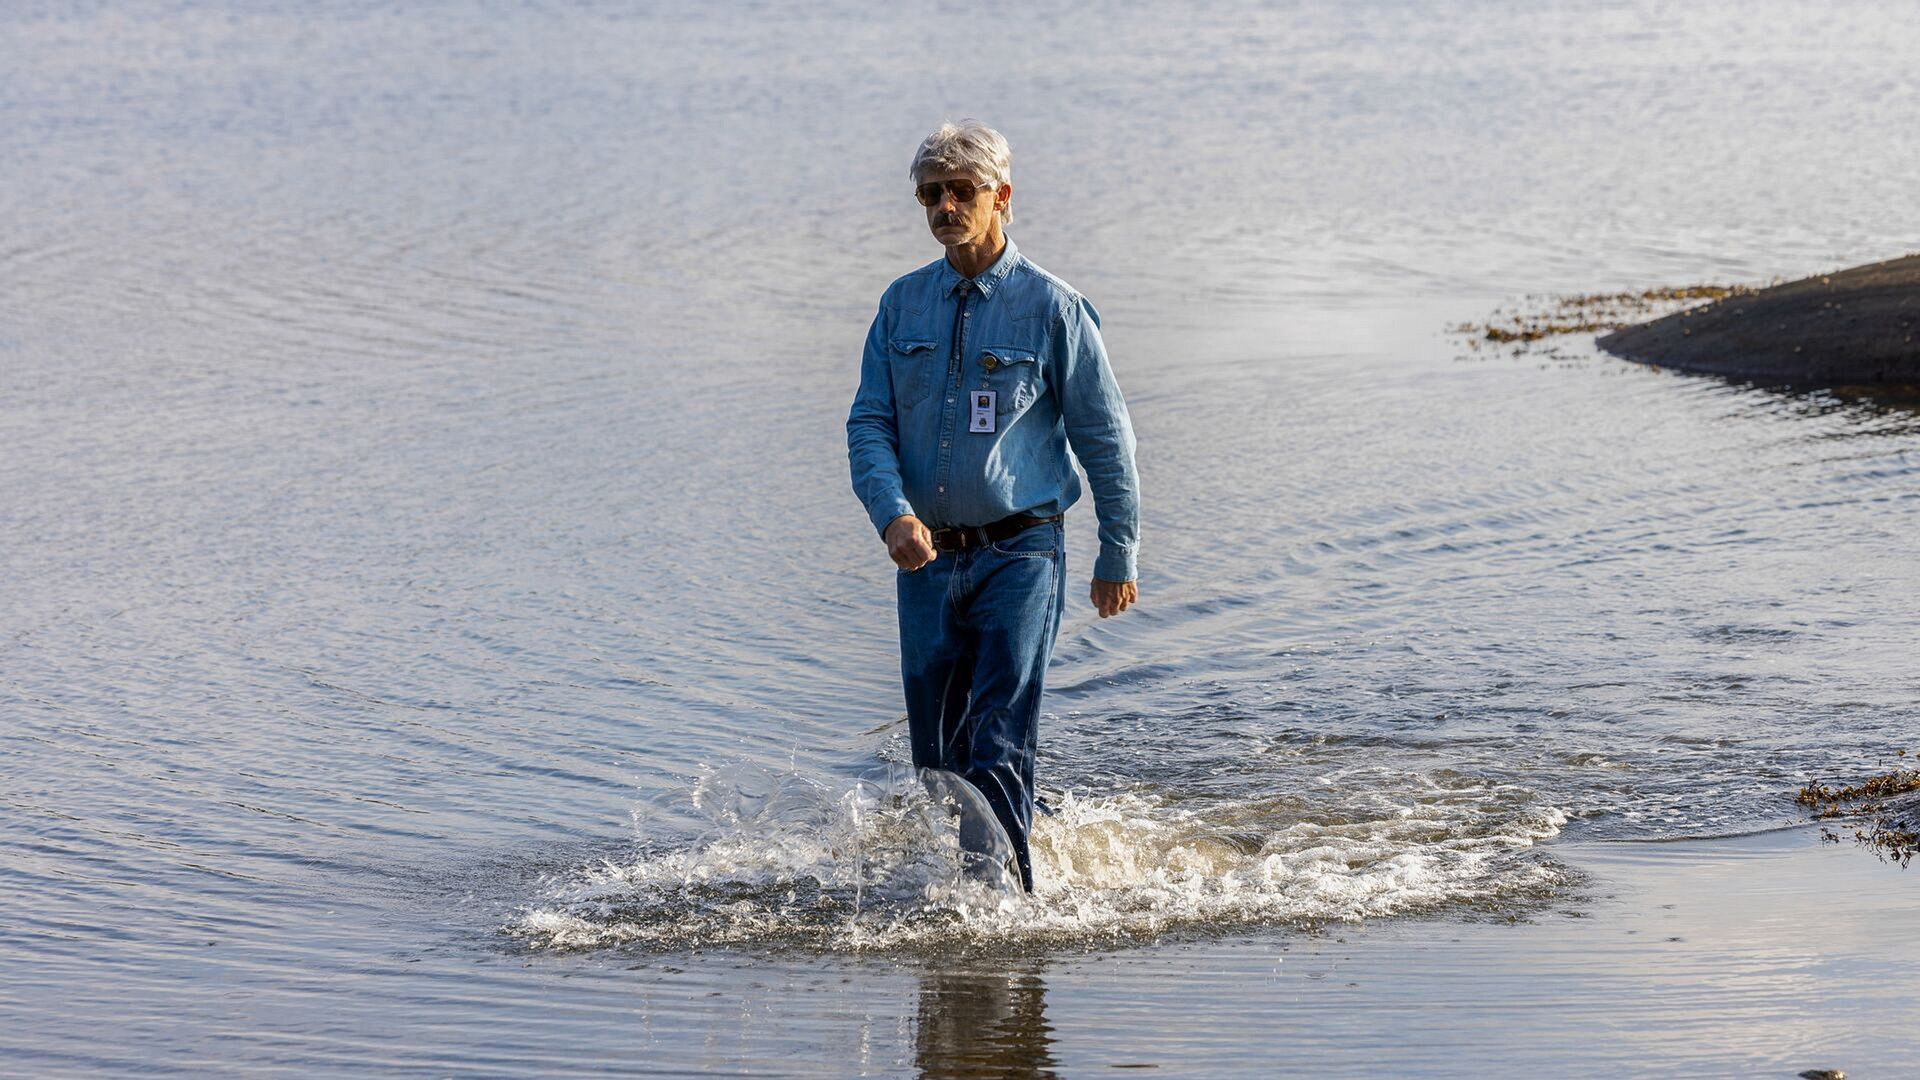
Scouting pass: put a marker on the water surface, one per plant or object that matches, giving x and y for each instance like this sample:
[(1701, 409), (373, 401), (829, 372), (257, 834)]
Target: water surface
[(426, 533)]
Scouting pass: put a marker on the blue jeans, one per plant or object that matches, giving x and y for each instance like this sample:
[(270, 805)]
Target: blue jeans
[(976, 632)]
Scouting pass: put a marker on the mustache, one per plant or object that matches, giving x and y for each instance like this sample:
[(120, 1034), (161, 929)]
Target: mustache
[(945, 219)]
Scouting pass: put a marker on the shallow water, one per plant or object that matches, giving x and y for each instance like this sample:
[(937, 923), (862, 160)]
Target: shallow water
[(421, 470)]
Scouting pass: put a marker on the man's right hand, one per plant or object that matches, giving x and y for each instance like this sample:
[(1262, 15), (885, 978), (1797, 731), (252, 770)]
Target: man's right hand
[(909, 543)]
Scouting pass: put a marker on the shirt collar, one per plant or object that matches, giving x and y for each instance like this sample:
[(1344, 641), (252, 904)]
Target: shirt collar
[(986, 280)]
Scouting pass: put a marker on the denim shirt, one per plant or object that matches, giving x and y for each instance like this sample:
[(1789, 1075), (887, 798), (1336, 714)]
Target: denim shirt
[(1029, 337)]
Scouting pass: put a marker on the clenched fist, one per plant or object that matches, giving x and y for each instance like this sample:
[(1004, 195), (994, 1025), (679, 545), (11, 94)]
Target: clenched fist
[(909, 543)]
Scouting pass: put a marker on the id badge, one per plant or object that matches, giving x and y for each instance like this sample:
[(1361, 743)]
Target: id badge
[(983, 411)]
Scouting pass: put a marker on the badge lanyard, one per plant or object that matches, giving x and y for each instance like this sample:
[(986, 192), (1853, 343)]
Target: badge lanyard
[(981, 402)]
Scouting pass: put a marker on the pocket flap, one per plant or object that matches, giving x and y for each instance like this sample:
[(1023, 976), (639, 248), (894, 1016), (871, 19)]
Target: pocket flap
[(909, 345), (1007, 355)]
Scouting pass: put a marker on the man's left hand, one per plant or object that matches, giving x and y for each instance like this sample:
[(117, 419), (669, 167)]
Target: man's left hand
[(1114, 597)]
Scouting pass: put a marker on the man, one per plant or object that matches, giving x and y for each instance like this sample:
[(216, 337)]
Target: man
[(981, 369)]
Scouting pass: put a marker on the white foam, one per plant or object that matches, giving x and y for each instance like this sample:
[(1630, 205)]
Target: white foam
[(873, 863)]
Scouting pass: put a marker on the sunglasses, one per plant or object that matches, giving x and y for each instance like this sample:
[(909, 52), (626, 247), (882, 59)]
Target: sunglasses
[(962, 191)]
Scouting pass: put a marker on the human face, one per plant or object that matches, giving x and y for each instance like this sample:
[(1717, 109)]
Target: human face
[(972, 223)]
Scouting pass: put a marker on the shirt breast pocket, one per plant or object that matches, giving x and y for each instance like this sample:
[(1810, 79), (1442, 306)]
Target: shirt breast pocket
[(910, 361), (1014, 376)]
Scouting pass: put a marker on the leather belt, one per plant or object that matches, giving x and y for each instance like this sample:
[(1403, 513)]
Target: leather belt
[(962, 537)]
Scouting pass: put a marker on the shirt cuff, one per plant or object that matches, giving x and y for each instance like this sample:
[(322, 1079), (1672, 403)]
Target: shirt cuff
[(1114, 564), (884, 510)]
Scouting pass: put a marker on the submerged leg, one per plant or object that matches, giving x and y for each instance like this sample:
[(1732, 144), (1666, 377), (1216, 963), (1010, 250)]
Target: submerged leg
[(989, 852), (1014, 613)]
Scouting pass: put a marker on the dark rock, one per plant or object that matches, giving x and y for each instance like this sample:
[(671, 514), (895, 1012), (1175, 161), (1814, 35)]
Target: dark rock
[(1855, 327)]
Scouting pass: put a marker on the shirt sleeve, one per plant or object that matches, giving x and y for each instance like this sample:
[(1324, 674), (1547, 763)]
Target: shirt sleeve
[(1101, 435), (873, 435)]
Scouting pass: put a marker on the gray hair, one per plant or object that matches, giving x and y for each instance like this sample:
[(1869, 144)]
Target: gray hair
[(967, 147)]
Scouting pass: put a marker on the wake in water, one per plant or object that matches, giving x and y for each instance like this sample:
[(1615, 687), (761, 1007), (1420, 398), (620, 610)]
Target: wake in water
[(879, 862)]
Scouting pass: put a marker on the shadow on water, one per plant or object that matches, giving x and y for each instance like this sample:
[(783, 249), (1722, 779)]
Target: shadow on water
[(1889, 408), (977, 1023)]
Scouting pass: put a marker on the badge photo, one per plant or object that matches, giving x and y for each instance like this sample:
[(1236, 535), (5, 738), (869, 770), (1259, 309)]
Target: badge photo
[(983, 402)]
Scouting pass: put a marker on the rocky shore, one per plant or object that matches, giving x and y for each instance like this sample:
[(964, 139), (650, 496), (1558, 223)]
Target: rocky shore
[(1856, 327)]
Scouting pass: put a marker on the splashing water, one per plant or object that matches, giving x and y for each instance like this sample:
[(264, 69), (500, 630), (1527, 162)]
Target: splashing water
[(884, 861)]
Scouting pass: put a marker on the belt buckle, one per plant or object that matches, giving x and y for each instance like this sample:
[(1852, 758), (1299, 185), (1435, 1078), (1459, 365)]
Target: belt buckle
[(959, 537)]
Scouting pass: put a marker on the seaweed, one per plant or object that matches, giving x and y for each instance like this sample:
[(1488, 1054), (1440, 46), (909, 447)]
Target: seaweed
[(1542, 317), (1887, 828)]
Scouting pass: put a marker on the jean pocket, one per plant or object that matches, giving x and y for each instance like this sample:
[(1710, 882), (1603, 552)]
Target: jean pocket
[(1038, 542)]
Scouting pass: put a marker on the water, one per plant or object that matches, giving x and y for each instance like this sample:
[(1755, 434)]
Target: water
[(422, 496)]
